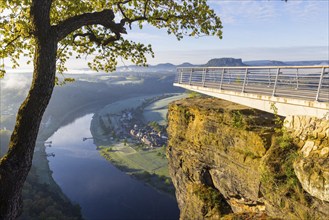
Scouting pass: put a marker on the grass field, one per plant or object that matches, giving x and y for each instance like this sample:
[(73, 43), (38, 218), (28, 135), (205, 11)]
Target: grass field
[(148, 165), (152, 161)]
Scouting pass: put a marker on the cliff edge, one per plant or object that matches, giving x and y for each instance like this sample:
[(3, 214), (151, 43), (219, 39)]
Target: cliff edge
[(230, 161)]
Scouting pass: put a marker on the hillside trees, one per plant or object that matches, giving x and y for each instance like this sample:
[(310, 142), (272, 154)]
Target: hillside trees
[(50, 31)]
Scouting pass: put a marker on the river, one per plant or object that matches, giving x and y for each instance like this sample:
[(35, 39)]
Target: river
[(102, 191)]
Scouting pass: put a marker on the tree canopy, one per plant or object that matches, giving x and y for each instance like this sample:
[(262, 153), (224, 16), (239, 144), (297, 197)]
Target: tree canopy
[(98, 28)]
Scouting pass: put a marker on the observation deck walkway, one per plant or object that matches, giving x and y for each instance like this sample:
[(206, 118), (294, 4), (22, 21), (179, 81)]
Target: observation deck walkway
[(294, 90)]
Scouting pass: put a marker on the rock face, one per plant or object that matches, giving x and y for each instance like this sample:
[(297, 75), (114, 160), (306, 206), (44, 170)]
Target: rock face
[(312, 168), (226, 158)]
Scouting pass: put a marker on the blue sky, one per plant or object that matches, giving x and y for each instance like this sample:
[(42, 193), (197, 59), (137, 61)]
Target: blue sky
[(253, 30)]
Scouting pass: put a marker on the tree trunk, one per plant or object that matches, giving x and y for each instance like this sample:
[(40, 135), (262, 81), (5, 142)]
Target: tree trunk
[(15, 165)]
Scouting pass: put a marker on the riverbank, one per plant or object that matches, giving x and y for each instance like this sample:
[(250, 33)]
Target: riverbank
[(40, 160), (149, 166), (131, 155)]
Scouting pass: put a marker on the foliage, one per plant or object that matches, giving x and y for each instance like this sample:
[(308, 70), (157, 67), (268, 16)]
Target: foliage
[(286, 152), (212, 199), (278, 121), (208, 195), (155, 126), (279, 169), (237, 120), (163, 183), (104, 41), (43, 202), (280, 184), (283, 138), (192, 94), (188, 115)]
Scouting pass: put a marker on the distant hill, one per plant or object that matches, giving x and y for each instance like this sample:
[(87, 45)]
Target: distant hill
[(218, 62), (265, 63), (225, 62), (285, 63), (164, 67), (186, 64), (308, 63)]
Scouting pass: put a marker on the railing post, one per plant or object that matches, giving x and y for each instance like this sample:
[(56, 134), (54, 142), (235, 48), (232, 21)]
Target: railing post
[(245, 80), (276, 81), (297, 83), (320, 84), (177, 76), (221, 79), (269, 77), (181, 76), (204, 73), (190, 81), (229, 76)]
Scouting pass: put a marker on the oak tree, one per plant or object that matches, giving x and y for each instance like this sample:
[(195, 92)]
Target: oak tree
[(50, 31)]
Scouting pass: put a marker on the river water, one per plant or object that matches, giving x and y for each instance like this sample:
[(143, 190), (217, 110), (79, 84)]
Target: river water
[(102, 191)]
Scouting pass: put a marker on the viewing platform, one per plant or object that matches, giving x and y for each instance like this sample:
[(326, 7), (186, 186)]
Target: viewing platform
[(294, 90)]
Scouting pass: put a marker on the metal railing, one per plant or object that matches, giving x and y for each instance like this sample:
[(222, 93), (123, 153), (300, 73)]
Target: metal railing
[(299, 82)]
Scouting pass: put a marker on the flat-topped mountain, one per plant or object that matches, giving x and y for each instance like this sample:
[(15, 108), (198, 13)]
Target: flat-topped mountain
[(225, 62)]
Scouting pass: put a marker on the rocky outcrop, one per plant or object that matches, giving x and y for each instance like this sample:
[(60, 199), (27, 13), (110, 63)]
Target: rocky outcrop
[(227, 160), (312, 167)]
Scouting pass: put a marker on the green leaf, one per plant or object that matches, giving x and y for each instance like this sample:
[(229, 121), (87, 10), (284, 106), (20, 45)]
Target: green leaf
[(180, 18)]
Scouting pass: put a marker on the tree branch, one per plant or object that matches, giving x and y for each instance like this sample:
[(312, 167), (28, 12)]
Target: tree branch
[(99, 41), (145, 8), (125, 18), (11, 42), (144, 17), (104, 18)]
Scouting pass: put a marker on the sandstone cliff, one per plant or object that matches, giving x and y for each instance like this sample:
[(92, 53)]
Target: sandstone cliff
[(225, 158)]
